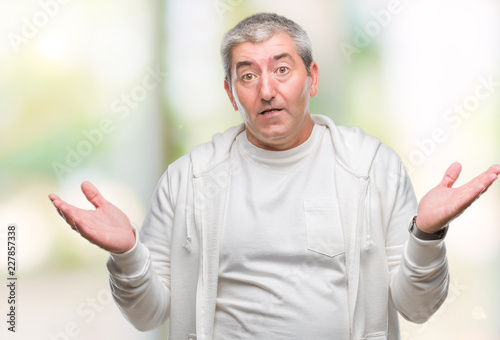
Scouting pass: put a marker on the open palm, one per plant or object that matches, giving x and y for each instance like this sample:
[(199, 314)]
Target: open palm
[(106, 226), (443, 203)]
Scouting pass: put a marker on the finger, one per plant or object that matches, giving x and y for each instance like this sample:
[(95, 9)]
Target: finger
[(451, 175), (53, 197), (56, 202), (495, 169), (62, 214), (76, 227), (72, 215), (67, 211), (92, 194), (472, 190), (485, 180)]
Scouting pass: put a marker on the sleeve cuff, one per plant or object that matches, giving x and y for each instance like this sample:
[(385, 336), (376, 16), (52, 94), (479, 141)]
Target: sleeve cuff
[(424, 253), (131, 263)]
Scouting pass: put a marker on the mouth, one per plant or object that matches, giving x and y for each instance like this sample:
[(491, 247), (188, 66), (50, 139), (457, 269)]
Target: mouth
[(271, 110)]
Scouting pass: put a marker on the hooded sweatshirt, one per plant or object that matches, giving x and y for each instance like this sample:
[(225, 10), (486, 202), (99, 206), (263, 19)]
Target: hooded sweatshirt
[(172, 271)]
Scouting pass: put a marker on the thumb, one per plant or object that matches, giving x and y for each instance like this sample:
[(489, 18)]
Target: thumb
[(451, 175), (92, 194)]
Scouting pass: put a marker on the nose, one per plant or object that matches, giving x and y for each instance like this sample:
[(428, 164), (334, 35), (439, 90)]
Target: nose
[(268, 87)]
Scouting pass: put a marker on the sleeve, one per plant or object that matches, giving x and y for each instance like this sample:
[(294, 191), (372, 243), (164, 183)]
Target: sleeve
[(418, 269), (140, 278)]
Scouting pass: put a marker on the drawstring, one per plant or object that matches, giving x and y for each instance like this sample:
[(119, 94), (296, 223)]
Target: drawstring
[(189, 215), (187, 245), (188, 242), (369, 242)]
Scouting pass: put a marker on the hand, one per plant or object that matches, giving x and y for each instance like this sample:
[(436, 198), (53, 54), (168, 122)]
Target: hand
[(443, 203), (106, 226)]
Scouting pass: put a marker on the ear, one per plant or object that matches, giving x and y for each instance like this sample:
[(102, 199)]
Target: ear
[(314, 75), (230, 94)]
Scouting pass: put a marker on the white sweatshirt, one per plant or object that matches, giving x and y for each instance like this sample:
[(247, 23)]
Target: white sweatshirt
[(173, 270), (282, 268)]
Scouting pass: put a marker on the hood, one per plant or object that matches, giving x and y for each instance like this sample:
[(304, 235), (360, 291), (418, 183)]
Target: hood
[(355, 150), (206, 156)]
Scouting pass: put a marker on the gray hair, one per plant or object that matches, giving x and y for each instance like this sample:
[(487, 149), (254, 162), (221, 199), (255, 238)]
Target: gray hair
[(260, 27)]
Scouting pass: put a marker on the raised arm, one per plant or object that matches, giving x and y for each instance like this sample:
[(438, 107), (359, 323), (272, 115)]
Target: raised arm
[(140, 284), (420, 285)]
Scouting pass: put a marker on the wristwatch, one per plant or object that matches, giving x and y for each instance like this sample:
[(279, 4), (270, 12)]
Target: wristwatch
[(439, 235)]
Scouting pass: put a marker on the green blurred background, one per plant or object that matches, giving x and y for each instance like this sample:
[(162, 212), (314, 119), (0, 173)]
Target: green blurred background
[(113, 91)]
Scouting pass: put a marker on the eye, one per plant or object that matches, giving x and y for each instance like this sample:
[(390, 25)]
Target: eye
[(248, 76), (282, 70)]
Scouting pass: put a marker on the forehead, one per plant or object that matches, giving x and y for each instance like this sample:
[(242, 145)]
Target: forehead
[(264, 50)]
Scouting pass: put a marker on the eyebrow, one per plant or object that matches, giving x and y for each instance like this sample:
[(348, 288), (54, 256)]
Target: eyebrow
[(243, 63), (281, 56), (249, 63)]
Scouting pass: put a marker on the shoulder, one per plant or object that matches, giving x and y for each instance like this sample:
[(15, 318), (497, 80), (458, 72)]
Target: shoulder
[(354, 149), (386, 158), (362, 153), (205, 156)]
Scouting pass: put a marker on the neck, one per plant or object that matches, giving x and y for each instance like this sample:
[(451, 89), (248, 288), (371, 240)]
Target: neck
[(292, 140)]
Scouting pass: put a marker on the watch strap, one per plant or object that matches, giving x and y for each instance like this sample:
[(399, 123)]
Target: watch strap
[(439, 235)]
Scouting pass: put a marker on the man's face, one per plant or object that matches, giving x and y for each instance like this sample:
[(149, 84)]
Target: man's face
[(271, 89)]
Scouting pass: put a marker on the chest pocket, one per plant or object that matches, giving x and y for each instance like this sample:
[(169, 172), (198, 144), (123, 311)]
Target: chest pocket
[(323, 228)]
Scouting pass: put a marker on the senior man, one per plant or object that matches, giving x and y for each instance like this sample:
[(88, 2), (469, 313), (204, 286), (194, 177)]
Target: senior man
[(285, 227)]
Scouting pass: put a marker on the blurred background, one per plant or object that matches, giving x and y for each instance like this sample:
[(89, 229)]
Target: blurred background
[(113, 91)]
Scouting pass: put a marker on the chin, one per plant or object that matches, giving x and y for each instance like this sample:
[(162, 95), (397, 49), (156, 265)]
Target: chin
[(274, 134)]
